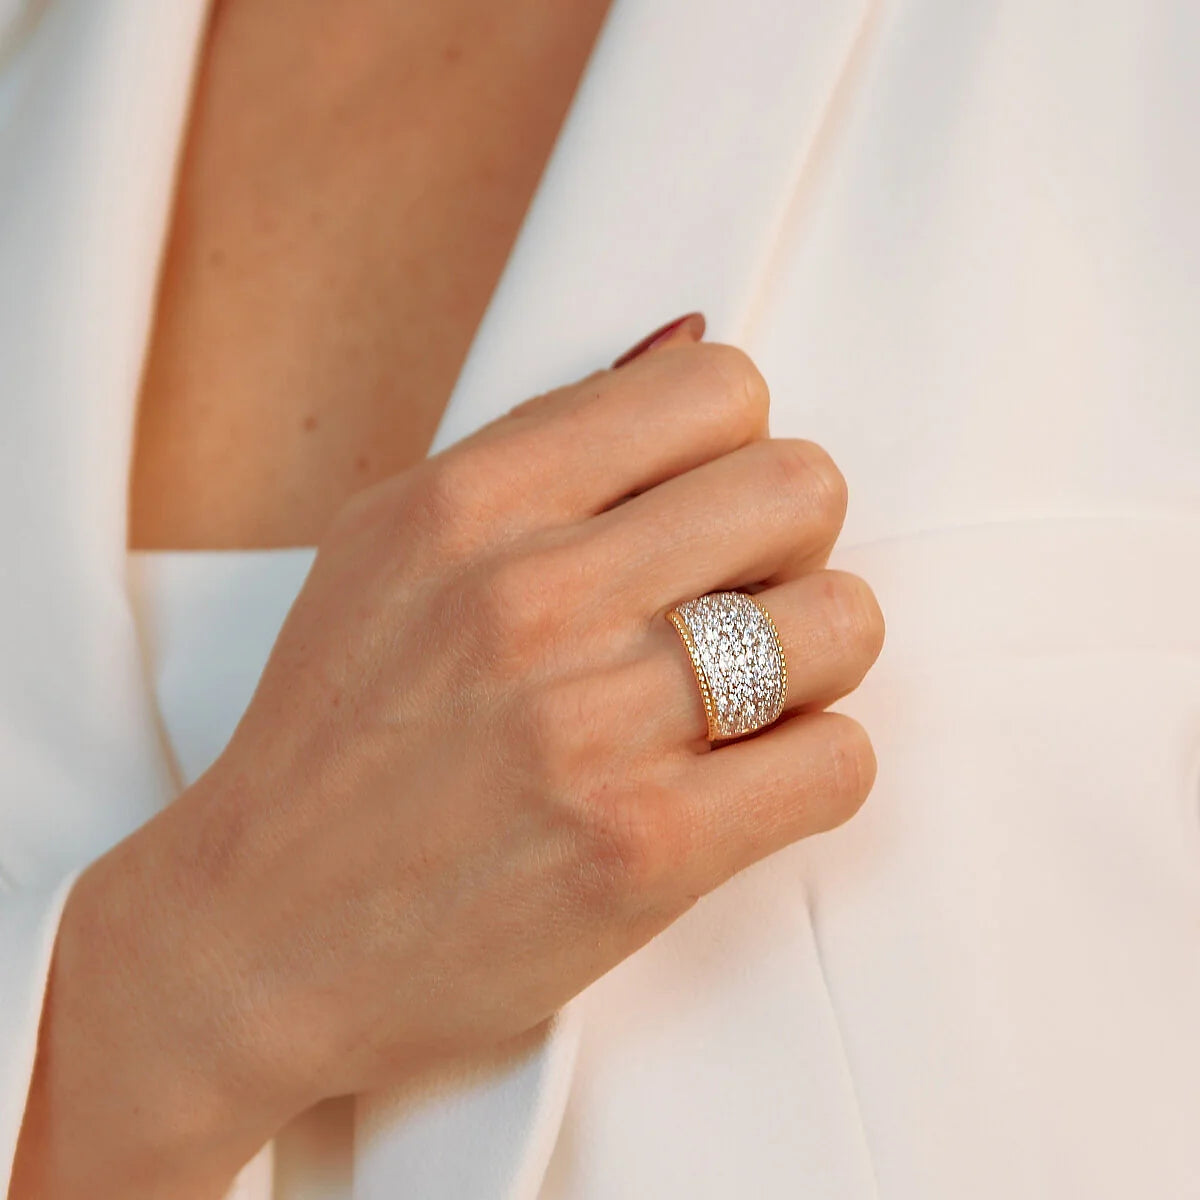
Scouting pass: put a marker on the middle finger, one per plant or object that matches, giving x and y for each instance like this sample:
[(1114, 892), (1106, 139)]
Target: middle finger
[(765, 512)]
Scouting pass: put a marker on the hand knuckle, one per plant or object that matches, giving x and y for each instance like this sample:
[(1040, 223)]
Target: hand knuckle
[(852, 764), (509, 607), (808, 473), (855, 615), (738, 382), (451, 496), (626, 846), (554, 721)]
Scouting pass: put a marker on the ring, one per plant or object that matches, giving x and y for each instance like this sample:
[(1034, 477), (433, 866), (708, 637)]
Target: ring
[(738, 660)]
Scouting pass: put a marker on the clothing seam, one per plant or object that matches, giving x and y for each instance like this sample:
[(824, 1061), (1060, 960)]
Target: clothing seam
[(1138, 516), (842, 1052), (143, 641), (790, 218), (805, 175), (810, 163)]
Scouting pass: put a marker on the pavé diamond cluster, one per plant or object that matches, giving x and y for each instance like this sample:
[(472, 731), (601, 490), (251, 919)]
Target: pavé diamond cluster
[(738, 659)]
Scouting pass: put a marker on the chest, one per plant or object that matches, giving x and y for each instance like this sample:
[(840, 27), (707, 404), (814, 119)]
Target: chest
[(350, 190)]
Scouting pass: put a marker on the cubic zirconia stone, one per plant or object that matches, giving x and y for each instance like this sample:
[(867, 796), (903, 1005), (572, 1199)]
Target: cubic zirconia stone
[(738, 652)]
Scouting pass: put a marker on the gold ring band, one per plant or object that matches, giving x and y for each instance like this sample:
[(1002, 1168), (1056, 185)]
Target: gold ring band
[(737, 659)]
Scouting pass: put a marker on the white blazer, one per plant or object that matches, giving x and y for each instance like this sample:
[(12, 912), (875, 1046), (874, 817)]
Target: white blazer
[(961, 240)]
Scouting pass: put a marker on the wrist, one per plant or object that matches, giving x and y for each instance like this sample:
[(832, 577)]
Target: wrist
[(151, 1078)]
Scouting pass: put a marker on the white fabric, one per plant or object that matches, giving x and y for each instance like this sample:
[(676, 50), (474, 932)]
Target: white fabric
[(960, 240), (92, 97)]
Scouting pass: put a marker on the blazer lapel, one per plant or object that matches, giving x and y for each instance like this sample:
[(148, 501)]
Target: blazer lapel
[(93, 97), (92, 100), (683, 149), (667, 191)]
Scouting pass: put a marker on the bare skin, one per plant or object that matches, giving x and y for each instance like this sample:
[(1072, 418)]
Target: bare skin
[(351, 189), (299, 924)]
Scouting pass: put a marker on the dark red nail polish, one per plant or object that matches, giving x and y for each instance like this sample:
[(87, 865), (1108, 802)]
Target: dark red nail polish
[(692, 323)]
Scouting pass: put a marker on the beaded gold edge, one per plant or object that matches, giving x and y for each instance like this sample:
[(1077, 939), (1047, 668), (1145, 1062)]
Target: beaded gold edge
[(710, 714)]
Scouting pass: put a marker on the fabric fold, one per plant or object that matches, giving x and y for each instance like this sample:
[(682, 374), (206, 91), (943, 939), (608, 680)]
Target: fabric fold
[(29, 920), (93, 97)]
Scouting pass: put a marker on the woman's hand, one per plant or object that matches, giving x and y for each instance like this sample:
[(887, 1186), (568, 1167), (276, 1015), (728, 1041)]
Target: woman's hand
[(474, 775)]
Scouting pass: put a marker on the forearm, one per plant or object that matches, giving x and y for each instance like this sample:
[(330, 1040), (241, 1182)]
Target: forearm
[(139, 1087)]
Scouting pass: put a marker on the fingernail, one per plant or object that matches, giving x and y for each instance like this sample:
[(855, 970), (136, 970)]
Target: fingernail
[(691, 323)]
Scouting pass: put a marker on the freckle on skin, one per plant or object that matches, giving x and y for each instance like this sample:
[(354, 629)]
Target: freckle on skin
[(362, 462), (452, 54), (310, 423)]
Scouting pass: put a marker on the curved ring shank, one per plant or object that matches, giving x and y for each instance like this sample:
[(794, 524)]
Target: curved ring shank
[(738, 660)]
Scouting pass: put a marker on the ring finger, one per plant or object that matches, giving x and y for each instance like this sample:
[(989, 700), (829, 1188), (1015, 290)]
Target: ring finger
[(831, 630)]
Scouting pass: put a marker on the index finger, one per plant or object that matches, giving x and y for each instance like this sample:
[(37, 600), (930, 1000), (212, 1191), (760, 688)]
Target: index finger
[(581, 449)]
